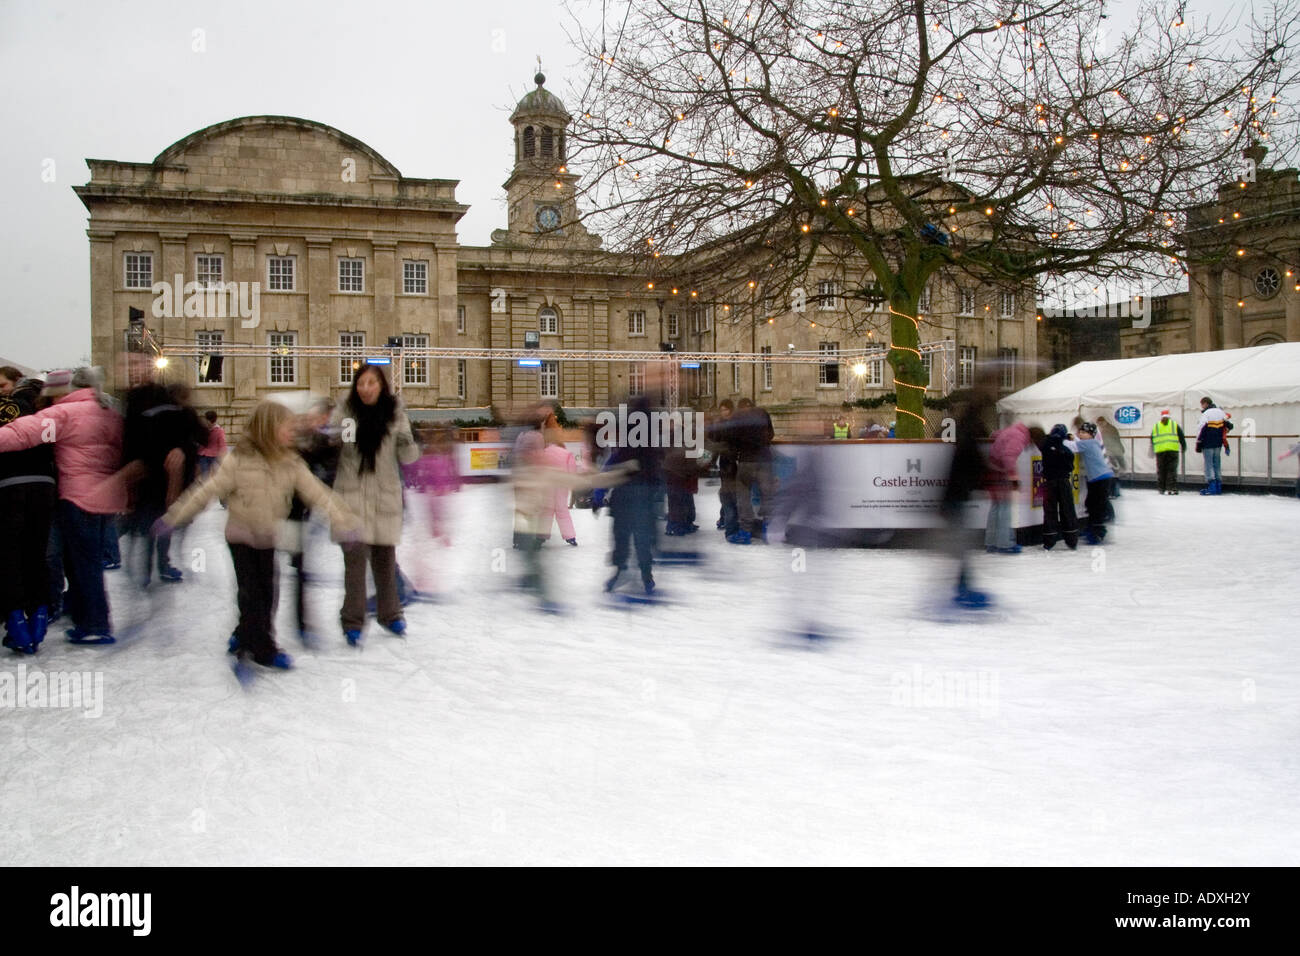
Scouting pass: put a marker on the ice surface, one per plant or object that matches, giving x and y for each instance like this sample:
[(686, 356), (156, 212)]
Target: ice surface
[(1136, 705)]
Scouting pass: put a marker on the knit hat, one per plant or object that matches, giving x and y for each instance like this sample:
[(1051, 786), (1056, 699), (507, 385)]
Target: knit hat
[(59, 378), (1164, 413), (1059, 431), (1088, 428)]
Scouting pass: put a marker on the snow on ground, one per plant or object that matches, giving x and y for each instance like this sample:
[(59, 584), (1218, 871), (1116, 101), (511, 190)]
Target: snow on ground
[(1132, 705)]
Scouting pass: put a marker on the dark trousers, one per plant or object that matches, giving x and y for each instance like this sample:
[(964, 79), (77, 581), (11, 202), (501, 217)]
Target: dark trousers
[(751, 475), (26, 513), (1059, 518), (681, 506), (1098, 503), (730, 510), (83, 562), (144, 545), (383, 565), (255, 574), (534, 567), (632, 509), (1167, 470), (112, 553)]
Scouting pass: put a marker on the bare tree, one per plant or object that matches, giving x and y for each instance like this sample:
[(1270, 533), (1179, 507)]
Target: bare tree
[(733, 144)]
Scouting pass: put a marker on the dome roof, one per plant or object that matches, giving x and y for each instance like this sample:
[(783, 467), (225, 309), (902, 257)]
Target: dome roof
[(540, 102)]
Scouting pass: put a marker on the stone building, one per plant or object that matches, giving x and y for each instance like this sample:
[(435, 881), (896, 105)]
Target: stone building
[(316, 240)]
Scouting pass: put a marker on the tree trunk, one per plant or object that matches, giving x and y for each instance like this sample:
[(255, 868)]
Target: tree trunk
[(909, 374)]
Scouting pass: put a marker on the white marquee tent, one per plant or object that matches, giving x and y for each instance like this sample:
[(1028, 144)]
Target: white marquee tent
[(1259, 387)]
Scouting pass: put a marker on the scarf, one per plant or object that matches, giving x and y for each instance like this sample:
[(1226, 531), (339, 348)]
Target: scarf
[(372, 427)]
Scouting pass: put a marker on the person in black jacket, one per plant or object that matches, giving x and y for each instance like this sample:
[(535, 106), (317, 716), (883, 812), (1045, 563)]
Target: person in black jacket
[(965, 477), (27, 499), (632, 504), (1059, 517), (751, 435)]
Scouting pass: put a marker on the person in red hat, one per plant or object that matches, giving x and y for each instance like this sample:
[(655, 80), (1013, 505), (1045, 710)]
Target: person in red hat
[(1168, 443)]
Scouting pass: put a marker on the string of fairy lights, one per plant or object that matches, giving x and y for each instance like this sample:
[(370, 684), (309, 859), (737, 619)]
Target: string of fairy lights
[(1124, 156)]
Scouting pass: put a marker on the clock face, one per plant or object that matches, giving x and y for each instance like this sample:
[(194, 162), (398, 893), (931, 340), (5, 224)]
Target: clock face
[(548, 218)]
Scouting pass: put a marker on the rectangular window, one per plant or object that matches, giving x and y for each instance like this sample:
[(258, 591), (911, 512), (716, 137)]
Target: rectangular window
[(927, 364), (1007, 305), (966, 366), (139, 270), (828, 295), (636, 322), (283, 366), (674, 328), (352, 275), (735, 374), (967, 302), (769, 305), (415, 277), (767, 368), (1007, 359), (208, 271), (415, 370), (707, 372), (636, 378), (706, 319), (875, 377), (460, 320), (550, 379), (280, 273), (460, 378), (211, 367), (828, 373), (923, 303), (352, 353)]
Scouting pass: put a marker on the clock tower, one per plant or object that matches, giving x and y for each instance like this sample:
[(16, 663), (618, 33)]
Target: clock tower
[(540, 190)]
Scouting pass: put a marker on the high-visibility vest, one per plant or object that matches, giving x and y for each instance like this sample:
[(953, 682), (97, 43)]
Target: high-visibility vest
[(841, 431), (1165, 436)]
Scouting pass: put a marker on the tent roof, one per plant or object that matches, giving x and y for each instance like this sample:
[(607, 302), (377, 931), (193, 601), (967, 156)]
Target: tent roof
[(1263, 375)]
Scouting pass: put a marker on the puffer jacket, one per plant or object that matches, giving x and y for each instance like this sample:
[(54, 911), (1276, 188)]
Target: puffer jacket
[(375, 497), (1008, 443), (87, 441), (259, 494)]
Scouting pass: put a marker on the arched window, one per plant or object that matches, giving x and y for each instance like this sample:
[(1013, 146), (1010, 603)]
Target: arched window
[(548, 141), (529, 144), (1267, 338), (562, 157), (548, 321)]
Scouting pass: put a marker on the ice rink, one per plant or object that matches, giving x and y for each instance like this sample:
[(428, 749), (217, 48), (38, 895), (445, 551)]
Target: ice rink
[(1137, 704)]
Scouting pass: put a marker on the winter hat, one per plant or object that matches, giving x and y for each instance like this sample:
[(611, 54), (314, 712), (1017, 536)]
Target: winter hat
[(1088, 428), (1059, 431), (59, 378), (1164, 413)]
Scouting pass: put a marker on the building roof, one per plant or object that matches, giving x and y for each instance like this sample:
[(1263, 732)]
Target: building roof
[(540, 102)]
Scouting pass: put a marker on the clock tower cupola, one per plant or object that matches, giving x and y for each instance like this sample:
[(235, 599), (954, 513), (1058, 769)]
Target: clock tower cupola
[(540, 190)]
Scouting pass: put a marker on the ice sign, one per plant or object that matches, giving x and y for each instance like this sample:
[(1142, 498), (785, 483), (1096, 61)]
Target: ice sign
[(1128, 415)]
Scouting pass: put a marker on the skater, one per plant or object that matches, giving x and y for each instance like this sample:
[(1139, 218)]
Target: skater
[(312, 443), (556, 511), (1001, 484), (87, 438), (369, 480), (1060, 522), (632, 503), (27, 501), (214, 449), (1293, 450), (1168, 443), (258, 480), (438, 476), (1114, 446), (718, 444), (682, 480), (751, 435), (965, 477), (1211, 441), (1098, 474)]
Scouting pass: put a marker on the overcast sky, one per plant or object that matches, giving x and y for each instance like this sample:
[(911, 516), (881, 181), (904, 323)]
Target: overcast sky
[(429, 85)]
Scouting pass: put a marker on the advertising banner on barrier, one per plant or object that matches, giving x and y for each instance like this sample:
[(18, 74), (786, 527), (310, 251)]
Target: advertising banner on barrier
[(1128, 416)]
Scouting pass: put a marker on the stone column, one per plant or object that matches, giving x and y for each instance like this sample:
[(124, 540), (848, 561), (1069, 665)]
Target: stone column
[(385, 254), (107, 330), (1202, 309), (1292, 309), (446, 296), (173, 265), (318, 279), (1232, 293)]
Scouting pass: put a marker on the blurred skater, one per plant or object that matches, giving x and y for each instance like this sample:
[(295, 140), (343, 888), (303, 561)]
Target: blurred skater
[(1096, 470), (1060, 522), (258, 480), (1002, 484)]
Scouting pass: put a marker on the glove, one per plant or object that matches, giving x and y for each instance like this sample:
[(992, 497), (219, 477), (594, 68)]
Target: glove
[(160, 528)]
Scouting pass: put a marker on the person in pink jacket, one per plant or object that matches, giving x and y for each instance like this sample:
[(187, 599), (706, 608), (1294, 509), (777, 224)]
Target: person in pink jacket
[(1001, 485), (556, 508), (87, 439)]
